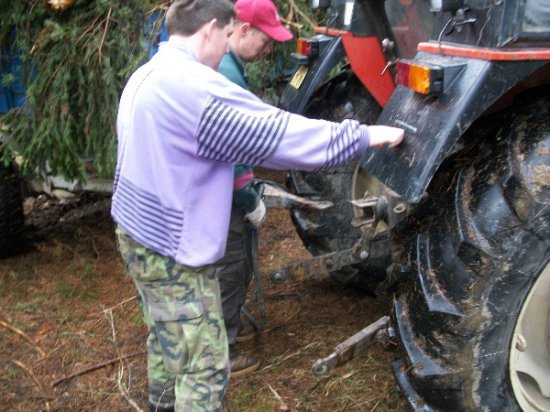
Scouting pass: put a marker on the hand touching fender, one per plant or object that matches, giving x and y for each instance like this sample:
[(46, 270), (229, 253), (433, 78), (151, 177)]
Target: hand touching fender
[(380, 135)]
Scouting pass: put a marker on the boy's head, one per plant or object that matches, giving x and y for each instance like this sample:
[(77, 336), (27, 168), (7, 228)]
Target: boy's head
[(186, 17), (207, 24)]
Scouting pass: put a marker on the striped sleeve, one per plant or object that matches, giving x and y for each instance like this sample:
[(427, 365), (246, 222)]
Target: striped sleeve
[(246, 138), (235, 135), (345, 140)]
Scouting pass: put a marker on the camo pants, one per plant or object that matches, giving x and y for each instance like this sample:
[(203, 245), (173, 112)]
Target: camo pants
[(188, 361)]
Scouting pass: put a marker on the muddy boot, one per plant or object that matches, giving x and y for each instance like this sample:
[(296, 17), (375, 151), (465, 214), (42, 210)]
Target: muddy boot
[(243, 364), (247, 331)]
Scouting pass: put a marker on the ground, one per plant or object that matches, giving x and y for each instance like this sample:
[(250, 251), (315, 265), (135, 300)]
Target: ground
[(71, 336)]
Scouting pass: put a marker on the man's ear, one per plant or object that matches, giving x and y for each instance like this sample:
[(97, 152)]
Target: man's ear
[(209, 27), (244, 29)]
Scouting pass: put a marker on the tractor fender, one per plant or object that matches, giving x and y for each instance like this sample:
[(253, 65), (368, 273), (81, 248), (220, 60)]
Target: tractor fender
[(295, 99), (434, 124)]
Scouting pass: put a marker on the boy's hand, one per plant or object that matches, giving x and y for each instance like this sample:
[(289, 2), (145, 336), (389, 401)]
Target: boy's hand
[(380, 135)]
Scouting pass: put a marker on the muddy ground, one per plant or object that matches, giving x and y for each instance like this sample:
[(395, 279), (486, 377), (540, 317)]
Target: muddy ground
[(71, 337)]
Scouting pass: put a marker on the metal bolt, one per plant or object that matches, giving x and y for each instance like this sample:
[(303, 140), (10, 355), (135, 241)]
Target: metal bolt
[(363, 255), (278, 277), (399, 208), (319, 368), (329, 263), (387, 44)]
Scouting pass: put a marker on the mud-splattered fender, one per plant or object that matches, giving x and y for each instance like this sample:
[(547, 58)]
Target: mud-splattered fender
[(433, 124)]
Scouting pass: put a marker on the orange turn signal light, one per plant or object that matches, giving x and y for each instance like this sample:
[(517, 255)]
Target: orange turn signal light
[(422, 78)]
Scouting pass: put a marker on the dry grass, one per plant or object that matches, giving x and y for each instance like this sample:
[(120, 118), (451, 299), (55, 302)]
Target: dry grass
[(75, 341)]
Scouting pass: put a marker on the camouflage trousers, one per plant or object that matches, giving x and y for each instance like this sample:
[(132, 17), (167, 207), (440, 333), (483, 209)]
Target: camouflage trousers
[(187, 361)]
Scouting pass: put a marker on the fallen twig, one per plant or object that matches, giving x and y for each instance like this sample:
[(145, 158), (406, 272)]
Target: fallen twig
[(375, 406), (37, 383), (23, 335), (98, 366), (121, 303), (283, 406), (124, 391), (105, 311), (109, 315)]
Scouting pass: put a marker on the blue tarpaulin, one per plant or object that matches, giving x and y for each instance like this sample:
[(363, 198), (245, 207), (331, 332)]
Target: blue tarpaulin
[(12, 91)]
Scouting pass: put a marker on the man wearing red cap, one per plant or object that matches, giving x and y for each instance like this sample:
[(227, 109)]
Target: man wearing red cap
[(257, 26)]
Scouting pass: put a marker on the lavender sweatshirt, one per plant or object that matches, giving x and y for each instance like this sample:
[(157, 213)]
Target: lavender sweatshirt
[(181, 126)]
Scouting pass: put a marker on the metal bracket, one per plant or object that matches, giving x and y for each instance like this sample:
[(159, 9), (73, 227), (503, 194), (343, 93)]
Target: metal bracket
[(274, 196), (319, 267), (351, 347)]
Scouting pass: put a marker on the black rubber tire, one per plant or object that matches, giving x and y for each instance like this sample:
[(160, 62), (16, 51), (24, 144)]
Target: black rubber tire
[(344, 97), (11, 212), (483, 243)]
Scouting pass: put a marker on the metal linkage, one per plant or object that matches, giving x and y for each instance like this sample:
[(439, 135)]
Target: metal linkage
[(320, 266), (277, 197), (315, 268), (351, 347)]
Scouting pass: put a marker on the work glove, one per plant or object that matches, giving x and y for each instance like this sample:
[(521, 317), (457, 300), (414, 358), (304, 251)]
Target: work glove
[(257, 216)]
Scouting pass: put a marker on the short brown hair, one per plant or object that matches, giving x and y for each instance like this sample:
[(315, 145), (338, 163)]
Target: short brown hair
[(186, 17)]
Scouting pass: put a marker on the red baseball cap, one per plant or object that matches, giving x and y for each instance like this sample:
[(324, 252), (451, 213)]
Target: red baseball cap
[(263, 15)]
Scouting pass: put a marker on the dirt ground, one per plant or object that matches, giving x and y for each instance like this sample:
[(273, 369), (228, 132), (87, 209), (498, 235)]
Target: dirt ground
[(71, 337)]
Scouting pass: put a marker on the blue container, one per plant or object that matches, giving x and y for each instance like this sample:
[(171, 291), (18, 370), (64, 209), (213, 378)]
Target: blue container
[(13, 94)]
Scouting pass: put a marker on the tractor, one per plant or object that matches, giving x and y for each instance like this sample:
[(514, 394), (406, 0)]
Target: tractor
[(452, 228)]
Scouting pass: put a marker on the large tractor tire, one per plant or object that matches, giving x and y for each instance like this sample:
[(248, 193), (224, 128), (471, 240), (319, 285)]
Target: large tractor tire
[(475, 322), (11, 212), (344, 97)]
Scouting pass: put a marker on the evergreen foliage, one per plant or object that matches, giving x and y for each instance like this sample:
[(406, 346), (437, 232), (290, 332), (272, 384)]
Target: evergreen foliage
[(74, 65)]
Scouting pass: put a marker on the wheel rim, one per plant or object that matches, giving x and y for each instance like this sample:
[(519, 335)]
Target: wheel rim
[(530, 349), (364, 184)]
